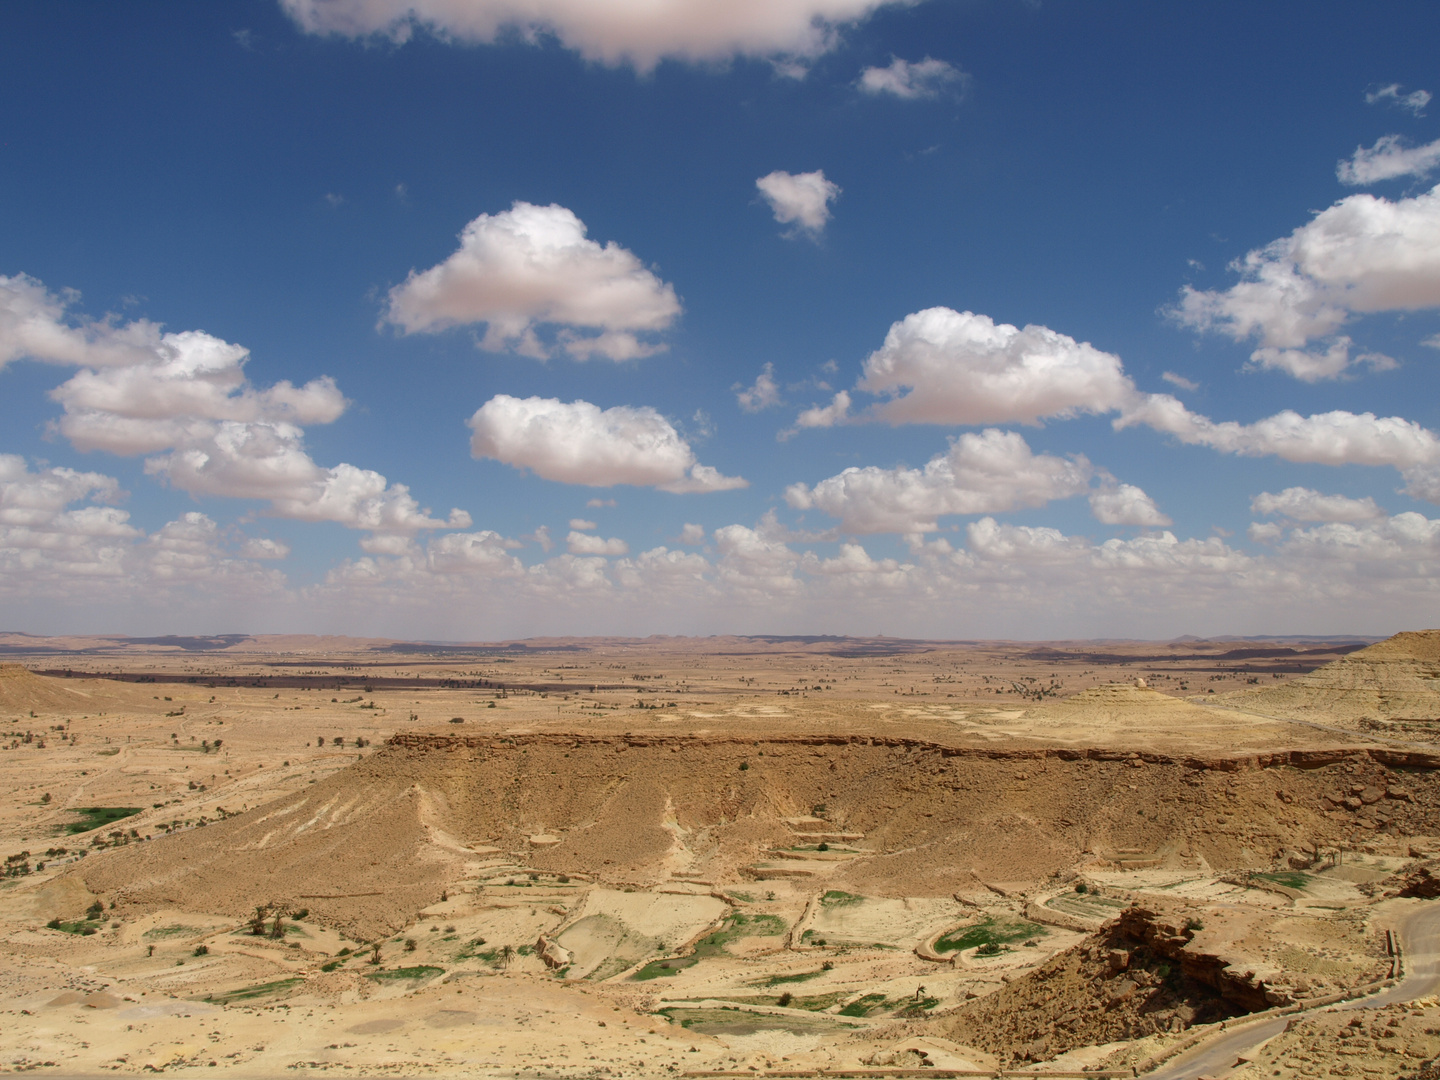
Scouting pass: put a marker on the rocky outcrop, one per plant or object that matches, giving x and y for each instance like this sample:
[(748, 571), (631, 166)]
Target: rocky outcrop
[(1139, 975)]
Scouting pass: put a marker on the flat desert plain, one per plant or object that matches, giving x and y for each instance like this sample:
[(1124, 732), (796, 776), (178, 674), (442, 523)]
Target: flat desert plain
[(263, 856)]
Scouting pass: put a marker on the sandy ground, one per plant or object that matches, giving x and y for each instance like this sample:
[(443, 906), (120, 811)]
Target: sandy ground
[(591, 800)]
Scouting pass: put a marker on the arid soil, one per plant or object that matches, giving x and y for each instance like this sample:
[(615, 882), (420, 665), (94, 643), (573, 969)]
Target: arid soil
[(622, 858)]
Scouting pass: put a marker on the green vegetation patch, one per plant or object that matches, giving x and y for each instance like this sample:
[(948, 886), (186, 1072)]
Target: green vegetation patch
[(419, 971), (737, 925), (475, 950), (811, 1003), (1291, 879), (249, 993), (85, 927), (836, 898), (988, 932), (802, 976), (95, 817), (863, 1006), (657, 969), (742, 924)]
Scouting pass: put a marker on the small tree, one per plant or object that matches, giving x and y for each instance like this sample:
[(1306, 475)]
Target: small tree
[(375, 952), (257, 921), (409, 944), (507, 956), (277, 929)]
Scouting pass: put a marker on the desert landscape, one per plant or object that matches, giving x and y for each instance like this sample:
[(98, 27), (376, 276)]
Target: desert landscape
[(720, 856)]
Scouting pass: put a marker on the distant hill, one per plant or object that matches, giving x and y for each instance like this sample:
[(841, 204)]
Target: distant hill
[(1393, 685)]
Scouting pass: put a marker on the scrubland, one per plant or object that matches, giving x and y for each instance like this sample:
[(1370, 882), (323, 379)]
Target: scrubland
[(609, 857)]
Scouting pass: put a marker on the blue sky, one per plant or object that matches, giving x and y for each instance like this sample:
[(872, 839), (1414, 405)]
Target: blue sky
[(244, 347)]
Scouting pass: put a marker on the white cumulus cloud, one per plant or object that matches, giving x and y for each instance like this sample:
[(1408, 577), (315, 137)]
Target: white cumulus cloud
[(940, 366), (801, 199), (1126, 504), (637, 32), (262, 547), (986, 472), (1362, 255), (692, 534), (580, 443), (485, 553), (1333, 438), (926, 78), (1305, 504), (52, 549), (1310, 366), (762, 394), (185, 399), (531, 266), (579, 543), (1387, 159)]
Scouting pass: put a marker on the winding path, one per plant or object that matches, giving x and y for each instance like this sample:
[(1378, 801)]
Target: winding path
[(1419, 933)]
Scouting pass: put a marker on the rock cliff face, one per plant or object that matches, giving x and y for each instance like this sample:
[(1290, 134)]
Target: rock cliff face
[(368, 847), (1238, 986), (1139, 975)]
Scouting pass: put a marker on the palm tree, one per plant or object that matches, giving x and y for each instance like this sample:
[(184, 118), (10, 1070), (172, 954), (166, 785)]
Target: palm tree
[(507, 956)]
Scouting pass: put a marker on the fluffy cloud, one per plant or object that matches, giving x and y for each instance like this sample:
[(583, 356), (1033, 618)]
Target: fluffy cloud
[(756, 562), (184, 398), (940, 366), (261, 547), (579, 543), (33, 326), (185, 387), (1304, 504), (988, 472), (822, 416), (763, 394), (638, 32), (485, 553), (581, 524), (91, 554), (530, 266), (799, 198), (926, 78), (1379, 543), (1387, 159), (1415, 101), (1312, 367), (1126, 504), (692, 534), (1333, 438), (1363, 254), (43, 539), (580, 443)]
